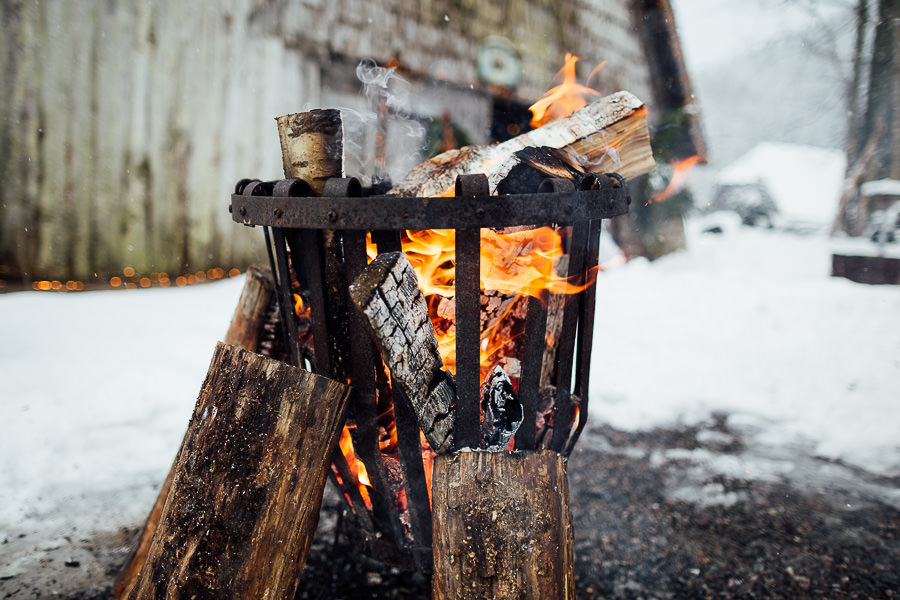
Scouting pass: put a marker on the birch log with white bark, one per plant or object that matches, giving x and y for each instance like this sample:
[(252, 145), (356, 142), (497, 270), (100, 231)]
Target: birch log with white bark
[(312, 146)]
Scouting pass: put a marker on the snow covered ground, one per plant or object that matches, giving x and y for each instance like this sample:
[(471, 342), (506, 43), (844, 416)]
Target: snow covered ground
[(98, 386)]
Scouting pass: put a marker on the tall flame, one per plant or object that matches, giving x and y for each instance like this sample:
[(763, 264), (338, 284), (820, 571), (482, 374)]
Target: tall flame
[(357, 468), (565, 98)]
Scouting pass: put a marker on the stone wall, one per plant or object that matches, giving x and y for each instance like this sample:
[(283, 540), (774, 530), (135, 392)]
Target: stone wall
[(124, 125)]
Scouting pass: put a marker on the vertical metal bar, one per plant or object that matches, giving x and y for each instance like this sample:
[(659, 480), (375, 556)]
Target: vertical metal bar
[(365, 436), (468, 337), (566, 351), (410, 446), (533, 355), (286, 297), (308, 268), (586, 333), (285, 335)]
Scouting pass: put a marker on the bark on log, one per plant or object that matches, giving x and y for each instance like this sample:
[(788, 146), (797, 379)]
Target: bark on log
[(245, 497), (609, 135), (388, 295), (312, 146), (245, 331), (502, 526), (246, 327)]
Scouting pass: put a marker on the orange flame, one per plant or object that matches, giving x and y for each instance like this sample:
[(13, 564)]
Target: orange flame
[(356, 466), (680, 176), (565, 98), (519, 263)]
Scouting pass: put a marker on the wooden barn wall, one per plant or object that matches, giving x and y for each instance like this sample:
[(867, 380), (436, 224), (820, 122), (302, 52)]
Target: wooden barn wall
[(124, 125)]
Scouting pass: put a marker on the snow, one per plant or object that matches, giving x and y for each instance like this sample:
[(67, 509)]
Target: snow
[(805, 181), (99, 386), (751, 324)]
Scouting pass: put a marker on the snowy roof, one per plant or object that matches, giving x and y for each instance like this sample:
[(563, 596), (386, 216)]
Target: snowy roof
[(880, 187), (805, 181)]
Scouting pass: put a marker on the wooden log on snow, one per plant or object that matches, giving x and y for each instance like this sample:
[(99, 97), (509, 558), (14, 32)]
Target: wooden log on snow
[(247, 485), (245, 331), (502, 526), (388, 295), (609, 135)]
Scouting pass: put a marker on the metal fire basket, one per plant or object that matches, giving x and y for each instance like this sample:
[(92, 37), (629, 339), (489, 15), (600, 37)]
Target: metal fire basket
[(317, 246)]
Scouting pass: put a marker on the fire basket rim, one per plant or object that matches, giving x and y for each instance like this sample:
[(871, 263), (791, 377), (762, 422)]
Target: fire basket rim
[(257, 205)]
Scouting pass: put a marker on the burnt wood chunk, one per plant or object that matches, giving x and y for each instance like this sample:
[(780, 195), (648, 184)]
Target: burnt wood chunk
[(388, 295), (502, 526), (501, 411), (247, 486), (525, 170)]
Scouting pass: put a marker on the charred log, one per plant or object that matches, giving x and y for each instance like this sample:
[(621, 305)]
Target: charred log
[(388, 295)]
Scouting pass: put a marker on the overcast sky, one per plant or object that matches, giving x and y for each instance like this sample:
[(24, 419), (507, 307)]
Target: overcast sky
[(713, 32)]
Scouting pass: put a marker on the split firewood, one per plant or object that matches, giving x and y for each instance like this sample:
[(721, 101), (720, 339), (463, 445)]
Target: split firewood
[(247, 486), (502, 526), (501, 411), (245, 331), (609, 135), (387, 293)]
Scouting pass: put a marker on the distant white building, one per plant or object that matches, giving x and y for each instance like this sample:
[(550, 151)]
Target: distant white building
[(782, 184)]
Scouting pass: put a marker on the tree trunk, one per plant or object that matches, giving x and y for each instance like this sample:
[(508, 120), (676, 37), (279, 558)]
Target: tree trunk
[(502, 526), (245, 496)]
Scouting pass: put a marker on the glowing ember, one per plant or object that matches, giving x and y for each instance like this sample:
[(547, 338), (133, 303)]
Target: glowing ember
[(563, 99), (680, 176)]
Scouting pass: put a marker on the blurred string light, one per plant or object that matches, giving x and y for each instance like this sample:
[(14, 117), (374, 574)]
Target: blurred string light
[(130, 279)]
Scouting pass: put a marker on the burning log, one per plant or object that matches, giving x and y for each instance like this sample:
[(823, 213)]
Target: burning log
[(525, 170), (245, 331), (501, 411), (387, 293), (609, 135), (502, 526), (247, 485)]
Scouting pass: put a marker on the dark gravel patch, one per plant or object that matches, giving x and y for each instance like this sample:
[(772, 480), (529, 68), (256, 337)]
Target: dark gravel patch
[(634, 538)]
